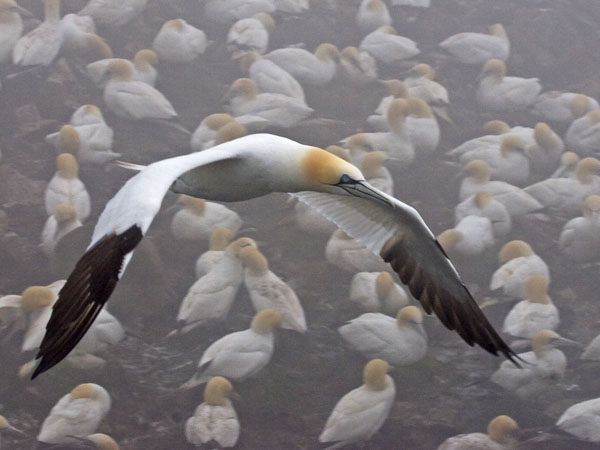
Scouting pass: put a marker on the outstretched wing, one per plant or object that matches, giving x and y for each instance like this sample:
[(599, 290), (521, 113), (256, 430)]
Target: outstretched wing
[(400, 236), (120, 228)]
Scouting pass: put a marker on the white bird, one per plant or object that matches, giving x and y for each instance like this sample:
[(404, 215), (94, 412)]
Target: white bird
[(142, 66), (79, 35), (396, 89), (545, 154), (219, 240), (269, 77), (178, 41), (477, 48), (66, 188), (205, 135), (564, 107), (267, 290), (423, 128), (386, 46), (566, 167), (58, 224), (278, 109), (215, 419), (483, 204), (228, 11), (360, 413), (401, 341), (357, 66), (210, 298), (580, 237), (421, 83), (113, 13), (534, 313), (250, 167), (377, 291), (42, 44), (497, 130), (198, 218), (583, 135), (36, 302), (376, 173), (241, 354), (372, 14), (519, 262), (250, 34), (582, 420), (77, 414), (471, 236), (499, 436), (350, 254), (312, 69), (11, 28), (497, 92)]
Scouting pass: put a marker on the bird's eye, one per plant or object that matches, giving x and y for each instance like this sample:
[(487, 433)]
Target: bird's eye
[(345, 179)]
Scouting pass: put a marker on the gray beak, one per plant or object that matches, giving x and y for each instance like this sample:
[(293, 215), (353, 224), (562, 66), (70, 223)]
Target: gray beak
[(564, 342), (363, 189)]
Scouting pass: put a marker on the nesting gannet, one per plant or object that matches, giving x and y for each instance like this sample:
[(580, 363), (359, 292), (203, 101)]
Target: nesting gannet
[(401, 341), (313, 69), (219, 240), (386, 46), (497, 130), (228, 11), (396, 89), (421, 83), (215, 419), (372, 14), (471, 236), (77, 414), (241, 354), (278, 109), (60, 223), (545, 154), (423, 128), (250, 34), (212, 295), (267, 290), (516, 200), (133, 100), (558, 106), (499, 436), (113, 13), (79, 35), (377, 291), (580, 237), (11, 28), (35, 302), (350, 254), (566, 167), (376, 173), (360, 413), (229, 132), (566, 195), (497, 92), (178, 41), (582, 420), (545, 365), (519, 262), (42, 44), (269, 77), (142, 66), (250, 167), (357, 66), (483, 204), (198, 218), (66, 188), (477, 48), (583, 135), (534, 313), (204, 135)]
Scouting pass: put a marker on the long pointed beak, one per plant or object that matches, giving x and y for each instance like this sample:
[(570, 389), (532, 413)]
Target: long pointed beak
[(567, 342), (363, 189)]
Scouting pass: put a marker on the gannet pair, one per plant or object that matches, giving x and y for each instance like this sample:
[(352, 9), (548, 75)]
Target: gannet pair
[(143, 68), (558, 106), (250, 167)]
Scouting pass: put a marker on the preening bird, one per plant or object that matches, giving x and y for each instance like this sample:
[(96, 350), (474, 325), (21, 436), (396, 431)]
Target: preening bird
[(249, 167)]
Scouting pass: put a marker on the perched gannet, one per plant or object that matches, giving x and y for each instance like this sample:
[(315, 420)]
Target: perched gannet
[(534, 313), (545, 154), (357, 66), (583, 135), (11, 28), (471, 236), (566, 167), (66, 188), (582, 420), (376, 173), (377, 291), (212, 295), (497, 92), (241, 354), (214, 419), (358, 145), (228, 11), (250, 34), (396, 89), (566, 195), (133, 100), (313, 69), (423, 128), (113, 13), (499, 436), (219, 240), (360, 413), (401, 341), (267, 290), (372, 14), (42, 44), (250, 167), (198, 218), (497, 130), (516, 200), (278, 109), (79, 35), (269, 77), (558, 106), (36, 303), (204, 135), (60, 223), (477, 48), (178, 41), (347, 253), (386, 46), (143, 66), (77, 414), (519, 262), (580, 237), (421, 83), (483, 204)]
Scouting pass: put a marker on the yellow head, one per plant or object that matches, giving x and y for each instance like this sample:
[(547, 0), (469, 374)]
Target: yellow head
[(51, 9), (3, 422), (98, 46), (497, 30), (65, 213), (248, 59), (85, 390), (500, 429), (384, 283), (264, 321), (388, 29), (193, 204), (511, 144), (177, 25), (591, 205), (120, 69), (216, 121), (35, 297), (230, 131), (496, 127), (244, 88), (67, 166), (578, 105), (145, 57), (266, 19), (514, 249), (543, 135), (478, 170), (235, 248), (569, 159), (482, 199), (409, 315), (220, 238), (322, 169), (594, 116), (376, 5), (339, 152), (449, 238), (91, 110), (424, 70), (372, 162), (216, 390), (327, 52), (418, 107), (68, 142), (537, 289), (586, 169), (542, 340), (374, 374), (396, 113), (103, 441), (495, 69), (254, 260), (397, 88)]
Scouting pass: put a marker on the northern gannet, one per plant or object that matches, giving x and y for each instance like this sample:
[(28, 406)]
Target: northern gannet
[(471, 236), (357, 66), (423, 128), (386, 46), (580, 237), (421, 83), (178, 41), (545, 153), (11, 28), (477, 48), (583, 135), (250, 34), (557, 106), (250, 167), (113, 13), (377, 291), (228, 11), (396, 89), (483, 204), (269, 77), (582, 420), (65, 187), (42, 44), (219, 240), (315, 69), (499, 436), (58, 224), (372, 14), (198, 218), (376, 173)]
